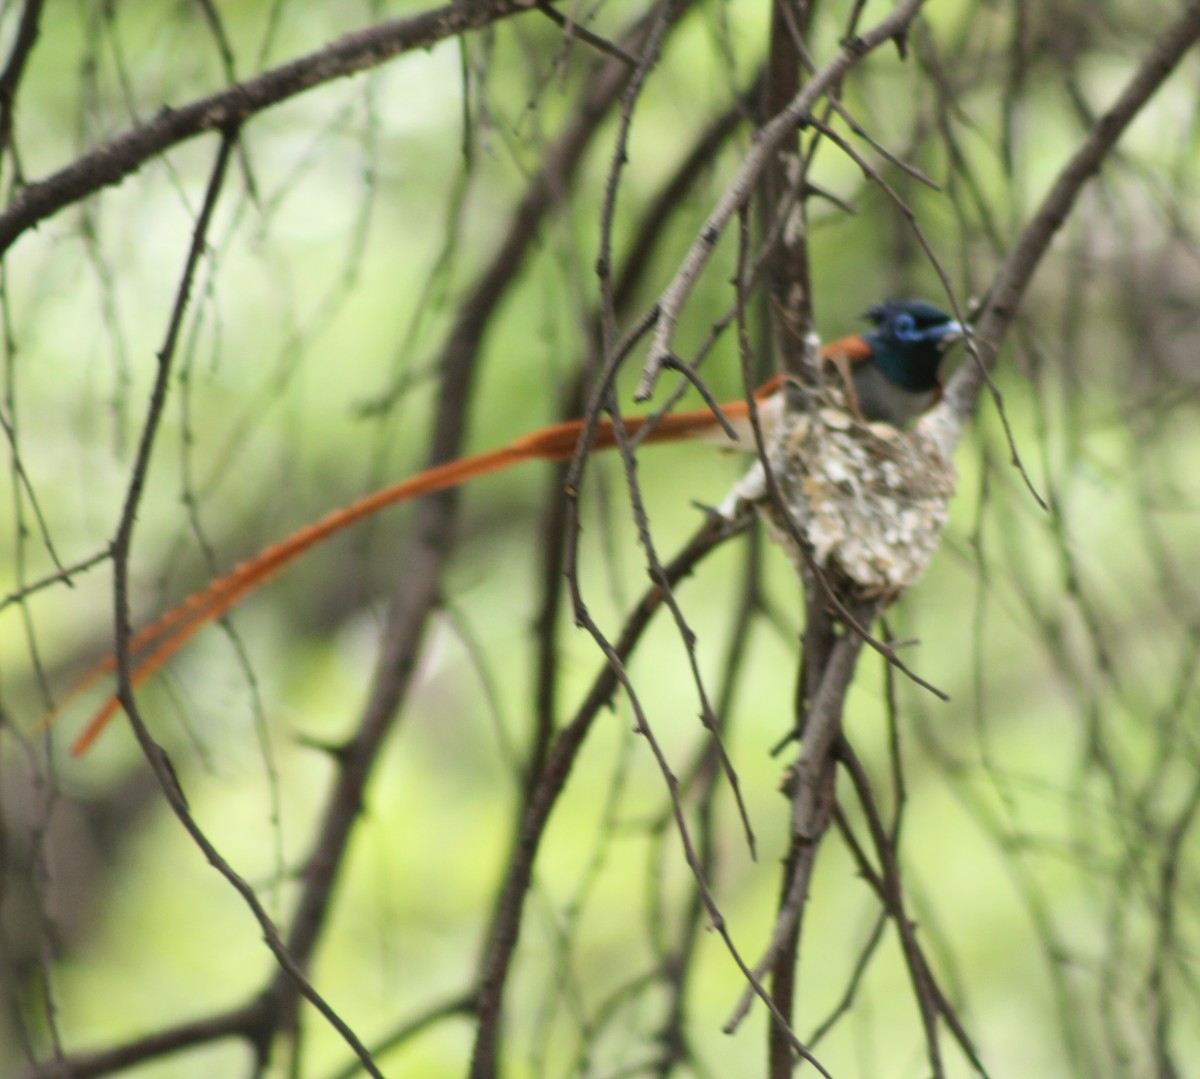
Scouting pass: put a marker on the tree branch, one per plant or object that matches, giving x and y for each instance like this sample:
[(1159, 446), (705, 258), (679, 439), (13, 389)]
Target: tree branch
[(741, 188), (111, 163), (1014, 275)]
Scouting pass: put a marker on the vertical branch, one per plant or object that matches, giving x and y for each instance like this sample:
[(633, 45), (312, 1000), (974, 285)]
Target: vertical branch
[(789, 280), (811, 788), (662, 211), (433, 530), (26, 37), (155, 755), (506, 920), (789, 296)]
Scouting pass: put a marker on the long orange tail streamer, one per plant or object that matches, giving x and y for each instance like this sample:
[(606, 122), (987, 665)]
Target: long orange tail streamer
[(154, 645)]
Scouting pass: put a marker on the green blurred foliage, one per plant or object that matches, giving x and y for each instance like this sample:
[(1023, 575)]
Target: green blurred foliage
[(355, 224)]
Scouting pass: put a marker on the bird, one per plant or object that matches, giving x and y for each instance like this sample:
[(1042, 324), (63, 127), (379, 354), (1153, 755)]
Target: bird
[(900, 376), (890, 374)]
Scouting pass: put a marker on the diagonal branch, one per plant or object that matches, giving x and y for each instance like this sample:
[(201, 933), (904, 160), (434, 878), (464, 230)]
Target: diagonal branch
[(741, 188), (1018, 269), (113, 162), (433, 530), (156, 757)]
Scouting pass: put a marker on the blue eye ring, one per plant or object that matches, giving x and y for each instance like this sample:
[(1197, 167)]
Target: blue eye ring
[(905, 328)]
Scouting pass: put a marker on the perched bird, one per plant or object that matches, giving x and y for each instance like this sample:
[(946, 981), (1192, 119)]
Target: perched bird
[(899, 378), (890, 374)]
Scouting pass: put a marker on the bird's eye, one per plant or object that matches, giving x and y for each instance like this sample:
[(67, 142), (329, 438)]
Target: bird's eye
[(905, 328)]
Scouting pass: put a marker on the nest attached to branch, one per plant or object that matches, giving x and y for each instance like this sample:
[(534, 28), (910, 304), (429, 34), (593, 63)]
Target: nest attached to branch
[(869, 500)]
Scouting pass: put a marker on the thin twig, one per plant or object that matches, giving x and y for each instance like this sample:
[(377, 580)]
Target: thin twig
[(155, 756), (572, 29), (743, 184), (59, 576), (228, 108), (931, 1000), (502, 934), (1014, 276)]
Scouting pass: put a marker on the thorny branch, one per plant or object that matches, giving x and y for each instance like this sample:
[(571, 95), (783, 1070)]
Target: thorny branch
[(1014, 275), (741, 188), (155, 755), (812, 784), (233, 106)]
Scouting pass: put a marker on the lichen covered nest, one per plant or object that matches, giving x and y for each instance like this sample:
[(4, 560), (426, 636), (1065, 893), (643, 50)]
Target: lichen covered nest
[(870, 501)]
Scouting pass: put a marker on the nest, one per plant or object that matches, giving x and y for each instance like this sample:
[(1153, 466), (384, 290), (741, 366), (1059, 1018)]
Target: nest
[(869, 501)]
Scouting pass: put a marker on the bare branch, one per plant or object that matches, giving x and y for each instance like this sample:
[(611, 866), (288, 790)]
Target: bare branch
[(1013, 277), (740, 189), (110, 164)]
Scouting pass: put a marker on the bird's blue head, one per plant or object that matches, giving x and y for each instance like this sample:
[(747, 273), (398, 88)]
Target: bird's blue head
[(908, 340)]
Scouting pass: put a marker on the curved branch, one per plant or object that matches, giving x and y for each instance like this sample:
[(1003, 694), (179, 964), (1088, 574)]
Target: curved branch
[(156, 757), (417, 593), (111, 163), (27, 35), (1018, 269), (742, 186), (247, 1021), (506, 919)]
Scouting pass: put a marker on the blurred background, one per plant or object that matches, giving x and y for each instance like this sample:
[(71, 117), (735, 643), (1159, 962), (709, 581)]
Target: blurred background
[(1049, 840)]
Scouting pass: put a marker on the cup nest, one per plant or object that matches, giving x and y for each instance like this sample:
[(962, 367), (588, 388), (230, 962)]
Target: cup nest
[(868, 500)]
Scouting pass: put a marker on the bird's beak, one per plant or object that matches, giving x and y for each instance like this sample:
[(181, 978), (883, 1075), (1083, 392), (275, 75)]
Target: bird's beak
[(952, 331)]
